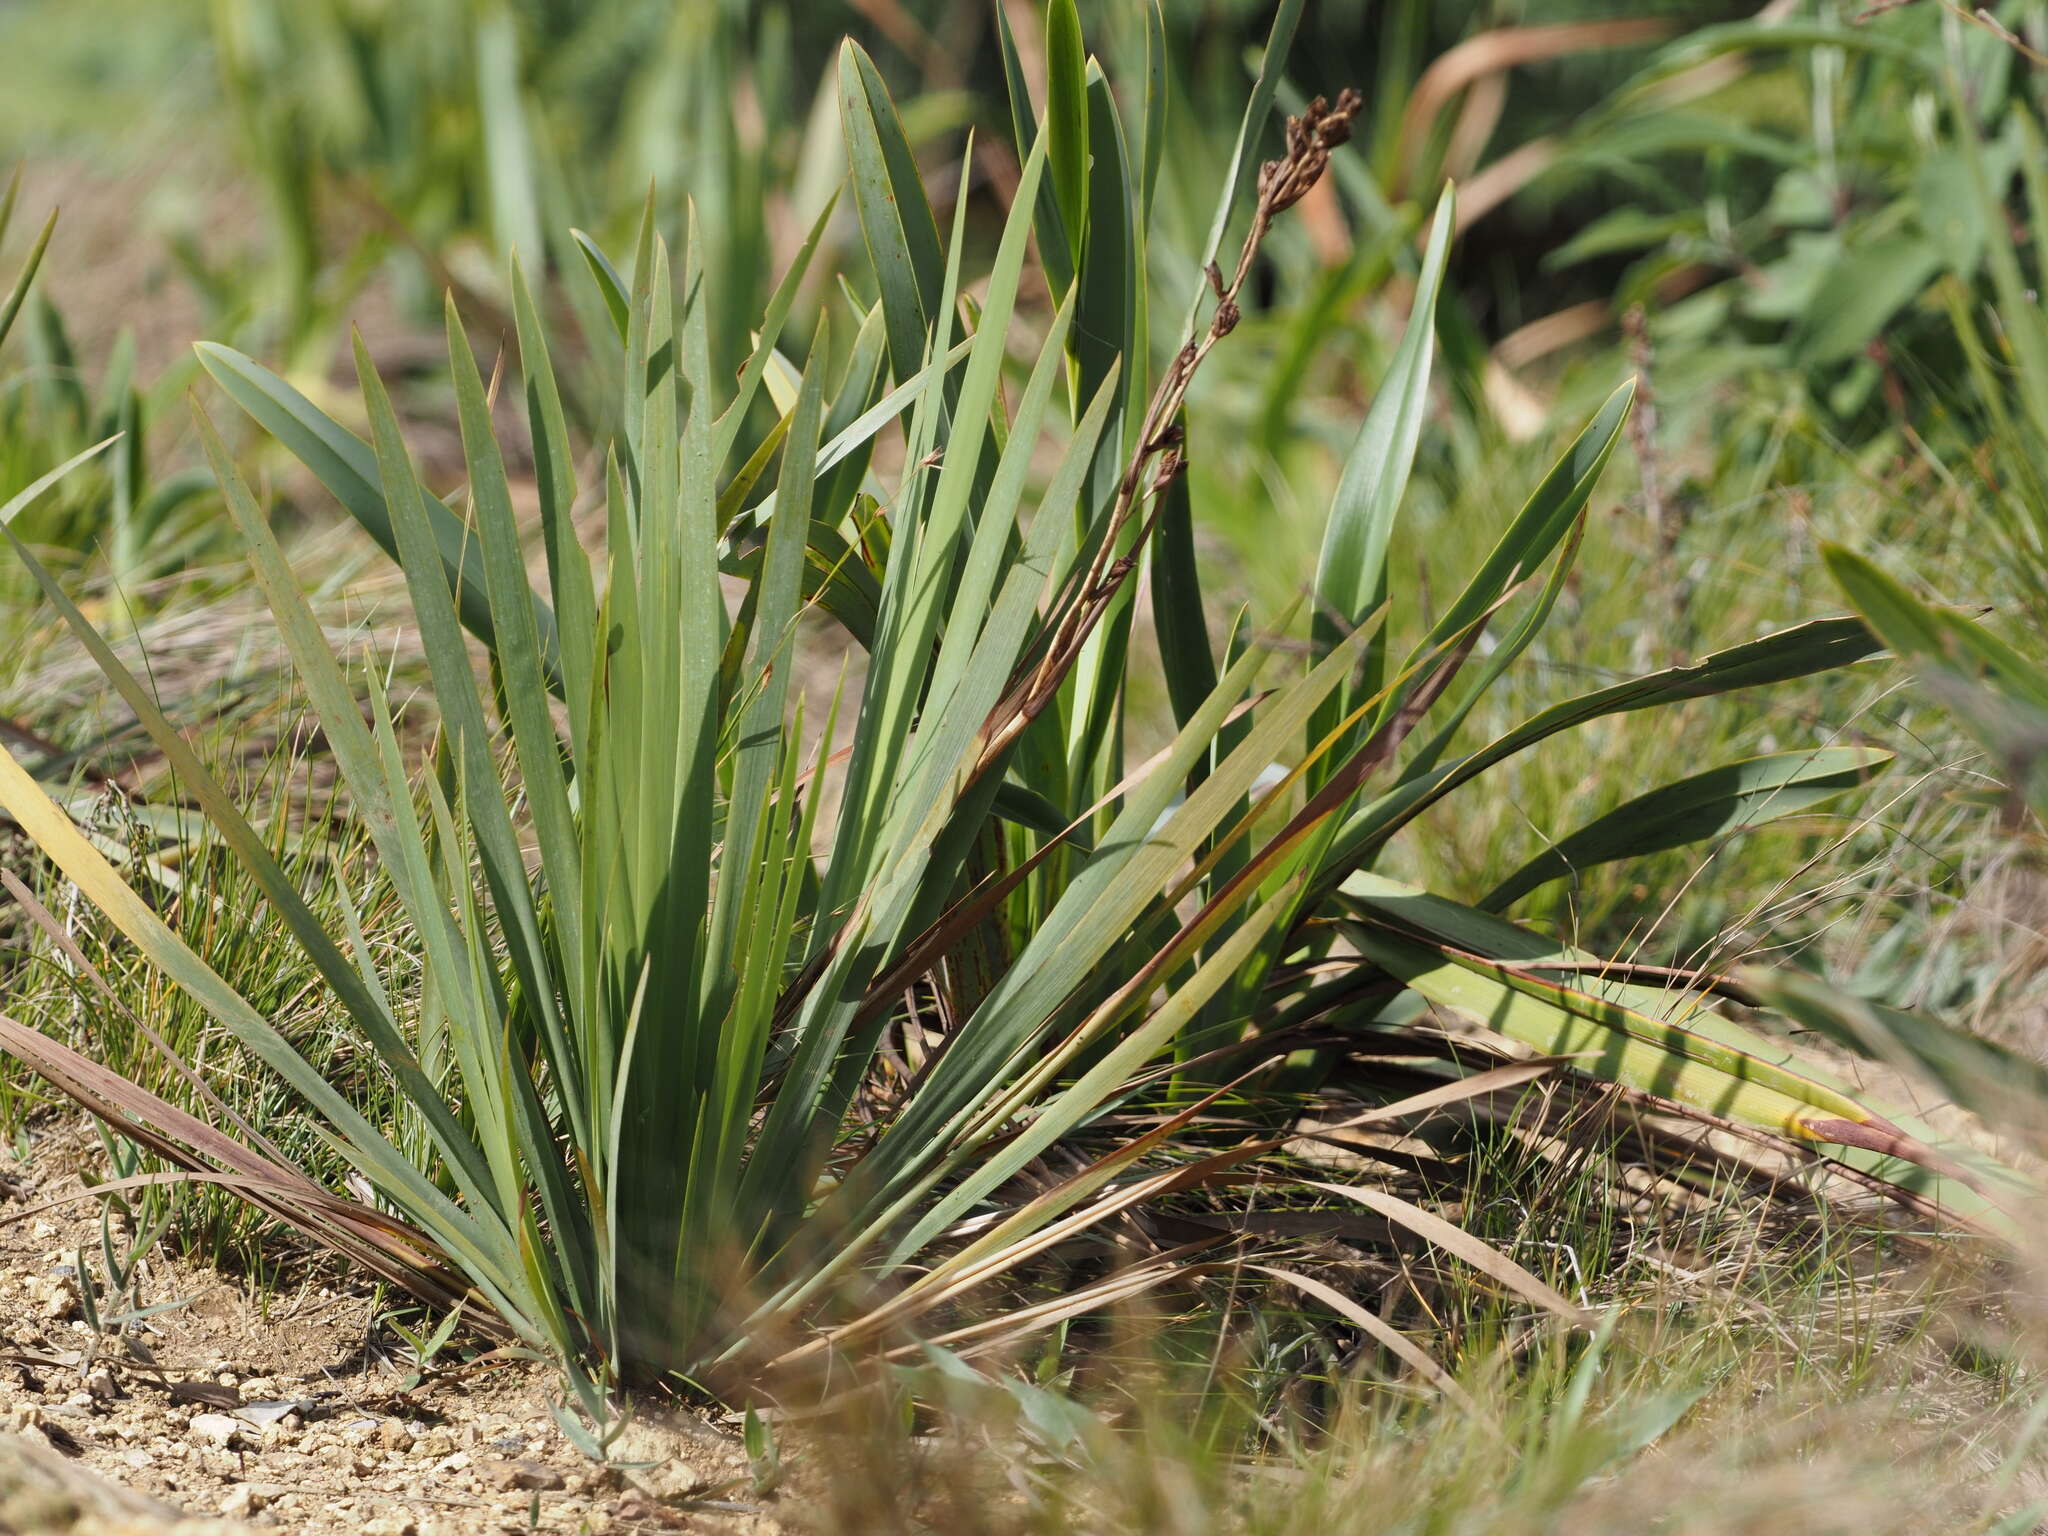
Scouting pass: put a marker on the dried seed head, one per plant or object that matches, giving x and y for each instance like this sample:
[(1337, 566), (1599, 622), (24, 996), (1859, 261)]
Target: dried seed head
[(1310, 138), (1227, 316), (1335, 128)]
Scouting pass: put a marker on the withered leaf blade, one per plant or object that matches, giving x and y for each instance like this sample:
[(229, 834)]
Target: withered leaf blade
[(211, 1393)]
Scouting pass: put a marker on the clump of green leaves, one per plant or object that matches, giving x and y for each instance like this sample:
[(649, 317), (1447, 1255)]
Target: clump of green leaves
[(723, 1086)]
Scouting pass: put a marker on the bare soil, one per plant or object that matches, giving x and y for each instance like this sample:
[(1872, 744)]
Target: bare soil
[(233, 1409)]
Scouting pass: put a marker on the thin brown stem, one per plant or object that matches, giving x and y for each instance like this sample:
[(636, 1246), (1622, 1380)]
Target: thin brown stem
[(1158, 455)]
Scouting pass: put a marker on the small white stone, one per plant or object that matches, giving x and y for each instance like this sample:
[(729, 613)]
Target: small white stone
[(241, 1501), (56, 1297), (216, 1429)]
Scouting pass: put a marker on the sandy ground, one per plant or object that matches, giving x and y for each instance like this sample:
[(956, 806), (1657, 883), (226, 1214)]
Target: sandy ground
[(294, 1410)]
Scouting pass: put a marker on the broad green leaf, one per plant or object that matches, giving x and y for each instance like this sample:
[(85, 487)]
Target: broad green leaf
[(618, 301), (455, 692), (1544, 520), (569, 580), (1055, 254), (771, 655), (1607, 1040), (853, 444), (1867, 287), (1152, 151), (1105, 333), (1503, 655), (1178, 614), (1106, 324), (770, 332), (524, 671), (859, 389)]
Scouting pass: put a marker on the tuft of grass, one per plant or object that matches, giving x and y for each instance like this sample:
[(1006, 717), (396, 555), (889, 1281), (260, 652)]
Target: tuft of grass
[(1755, 1372)]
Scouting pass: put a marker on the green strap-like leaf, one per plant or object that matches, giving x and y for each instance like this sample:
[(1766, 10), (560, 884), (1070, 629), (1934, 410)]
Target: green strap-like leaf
[(770, 658), (1066, 119), (1178, 616), (1351, 572), (554, 471), (1996, 693), (1606, 1040), (455, 693), (1152, 152), (1545, 520), (1979, 1074), (1660, 1039), (895, 216), (1054, 252), (1704, 805), (618, 299), (10, 307), (772, 321), (525, 686), (347, 466), (1244, 154), (1818, 646)]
